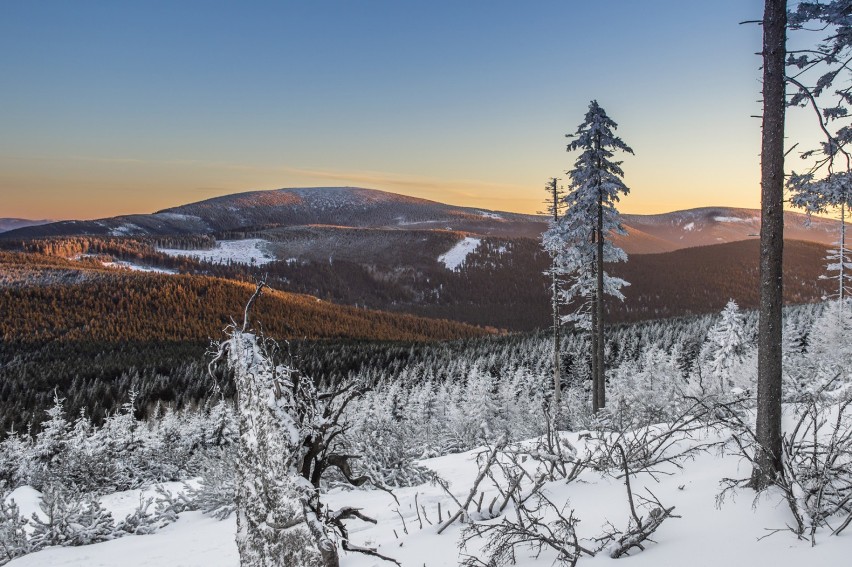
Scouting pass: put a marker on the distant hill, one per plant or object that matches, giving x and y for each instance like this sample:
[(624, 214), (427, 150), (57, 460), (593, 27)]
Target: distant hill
[(702, 279), (258, 212), (500, 284), (336, 206), (715, 225), (7, 224)]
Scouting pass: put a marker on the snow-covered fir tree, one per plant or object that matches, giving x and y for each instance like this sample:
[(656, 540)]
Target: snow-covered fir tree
[(51, 445), (725, 346), (580, 240), (14, 541), (830, 339)]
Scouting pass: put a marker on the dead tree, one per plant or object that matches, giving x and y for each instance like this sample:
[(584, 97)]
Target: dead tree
[(290, 436)]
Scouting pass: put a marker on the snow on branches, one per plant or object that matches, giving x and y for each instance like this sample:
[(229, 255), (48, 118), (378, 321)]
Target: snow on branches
[(290, 436)]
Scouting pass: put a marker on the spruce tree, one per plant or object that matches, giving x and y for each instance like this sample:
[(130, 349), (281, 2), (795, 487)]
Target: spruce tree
[(581, 241), (726, 344)]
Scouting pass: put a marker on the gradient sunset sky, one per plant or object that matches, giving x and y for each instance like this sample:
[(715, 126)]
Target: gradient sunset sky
[(112, 107)]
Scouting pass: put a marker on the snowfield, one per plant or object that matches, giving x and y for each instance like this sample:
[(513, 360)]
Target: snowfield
[(126, 229), (731, 219), (454, 258), (705, 534), (251, 251), (121, 264)]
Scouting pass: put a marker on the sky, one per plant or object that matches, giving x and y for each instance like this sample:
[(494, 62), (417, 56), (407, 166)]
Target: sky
[(110, 108)]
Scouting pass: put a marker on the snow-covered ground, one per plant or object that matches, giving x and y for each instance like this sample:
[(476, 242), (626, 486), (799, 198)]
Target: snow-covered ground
[(705, 534), (126, 229), (250, 251), (137, 267), (455, 257), (732, 219)]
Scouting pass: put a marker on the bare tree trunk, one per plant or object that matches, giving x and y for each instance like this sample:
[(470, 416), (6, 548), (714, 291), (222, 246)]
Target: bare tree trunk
[(596, 404), (598, 380), (841, 291), (599, 311), (771, 245), (557, 378)]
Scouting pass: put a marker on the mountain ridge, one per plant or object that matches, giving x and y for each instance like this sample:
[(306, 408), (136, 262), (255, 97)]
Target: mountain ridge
[(356, 207), (13, 223)]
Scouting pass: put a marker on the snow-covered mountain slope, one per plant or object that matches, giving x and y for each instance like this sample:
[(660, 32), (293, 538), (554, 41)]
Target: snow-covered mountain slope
[(334, 206), (126, 225), (344, 206), (716, 225), (354, 207), (249, 251), (733, 533)]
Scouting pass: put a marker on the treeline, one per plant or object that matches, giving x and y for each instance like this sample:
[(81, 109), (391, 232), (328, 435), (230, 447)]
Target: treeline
[(73, 246), (97, 376)]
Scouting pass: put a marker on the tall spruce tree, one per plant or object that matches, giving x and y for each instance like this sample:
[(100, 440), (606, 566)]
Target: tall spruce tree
[(819, 74), (580, 240), (769, 357)]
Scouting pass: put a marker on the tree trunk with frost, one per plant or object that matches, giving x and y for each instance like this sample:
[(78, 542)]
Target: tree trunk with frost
[(554, 272), (768, 427), (272, 527), (290, 436)]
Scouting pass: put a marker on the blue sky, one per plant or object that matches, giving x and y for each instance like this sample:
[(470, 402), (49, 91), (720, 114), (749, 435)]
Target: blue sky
[(118, 107)]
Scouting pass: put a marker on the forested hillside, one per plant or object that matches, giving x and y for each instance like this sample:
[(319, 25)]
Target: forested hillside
[(500, 284), (115, 306)]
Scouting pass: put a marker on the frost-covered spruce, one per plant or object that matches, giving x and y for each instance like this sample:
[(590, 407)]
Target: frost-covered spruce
[(216, 495), (726, 344), (51, 445), (580, 240), (13, 535)]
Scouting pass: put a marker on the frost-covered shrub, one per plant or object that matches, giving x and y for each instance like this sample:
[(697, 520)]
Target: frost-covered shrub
[(824, 366), (122, 441), (219, 429), (88, 467), (70, 519), (576, 408), (169, 504), (50, 450), (142, 521), (391, 429), (217, 492), (647, 391), (829, 340)]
